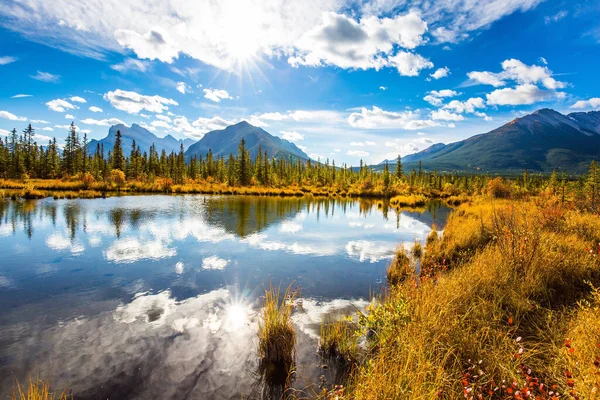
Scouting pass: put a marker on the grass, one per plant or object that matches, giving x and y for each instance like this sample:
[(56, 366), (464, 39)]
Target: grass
[(339, 340), (401, 193), (413, 200), (503, 298), (36, 390), (399, 269), (277, 336)]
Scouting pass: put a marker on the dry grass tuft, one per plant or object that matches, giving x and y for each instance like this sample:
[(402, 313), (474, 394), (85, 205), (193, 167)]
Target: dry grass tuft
[(37, 390), (277, 336)]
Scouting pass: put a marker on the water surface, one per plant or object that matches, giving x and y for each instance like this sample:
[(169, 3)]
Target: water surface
[(126, 297)]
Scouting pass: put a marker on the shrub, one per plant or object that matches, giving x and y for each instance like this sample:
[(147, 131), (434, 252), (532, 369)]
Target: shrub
[(498, 189)]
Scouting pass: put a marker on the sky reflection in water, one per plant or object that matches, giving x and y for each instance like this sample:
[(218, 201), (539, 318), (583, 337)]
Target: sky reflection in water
[(126, 295)]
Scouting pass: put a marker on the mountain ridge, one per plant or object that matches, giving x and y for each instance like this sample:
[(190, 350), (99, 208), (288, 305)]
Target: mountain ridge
[(541, 141), (225, 141), (143, 138)]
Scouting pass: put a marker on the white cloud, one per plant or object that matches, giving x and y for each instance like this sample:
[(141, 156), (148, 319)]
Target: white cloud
[(214, 262), (227, 32), (468, 106), (160, 124), (363, 144), (78, 99), (357, 153), (591, 103), (133, 103), (11, 116), (368, 44), (95, 109), (458, 18), (181, 87), (435, 97), (440, 73), (40, 121), (131, 64), (556, 17), (515, 70), (292, 136), (523, 74), (522, 94), (410, 64), (378, 118), (216, 95), (7, 60), (153, 45), (47, 128), (69, 116), (46, 77), (20, 96), (102, 122), (274, 116), (165, 118), (445, 115), (486, 78), (382, 88), (60, 105)]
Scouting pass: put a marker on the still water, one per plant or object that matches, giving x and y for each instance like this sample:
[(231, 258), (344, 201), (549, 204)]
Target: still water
[(157, 296)]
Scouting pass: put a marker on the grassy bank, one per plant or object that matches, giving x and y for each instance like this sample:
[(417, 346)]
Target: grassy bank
[(401, 196), (505, 306)]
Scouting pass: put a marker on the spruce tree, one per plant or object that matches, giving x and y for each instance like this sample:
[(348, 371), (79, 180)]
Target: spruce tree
[(118, 159), (399, 172)]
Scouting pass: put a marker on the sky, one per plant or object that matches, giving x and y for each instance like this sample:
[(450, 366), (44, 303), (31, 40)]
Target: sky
[(342, 79)]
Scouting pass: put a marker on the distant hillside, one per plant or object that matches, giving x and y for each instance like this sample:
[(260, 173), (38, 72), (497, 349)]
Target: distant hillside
[(541, 141), (143, 138), (226, 141)]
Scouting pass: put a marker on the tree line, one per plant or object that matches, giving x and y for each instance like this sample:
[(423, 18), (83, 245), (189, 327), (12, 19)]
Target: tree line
[(21, 157)]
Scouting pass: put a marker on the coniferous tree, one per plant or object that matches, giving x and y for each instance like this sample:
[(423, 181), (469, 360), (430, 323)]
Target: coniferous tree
[(399, 172), (118, 159)]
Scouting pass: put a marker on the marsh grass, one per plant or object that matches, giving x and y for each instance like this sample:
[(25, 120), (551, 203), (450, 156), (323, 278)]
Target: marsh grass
[(338, 340), (413, 200), (37, 390), (29, 192), (504, 310), (277, 337), (400, 268)]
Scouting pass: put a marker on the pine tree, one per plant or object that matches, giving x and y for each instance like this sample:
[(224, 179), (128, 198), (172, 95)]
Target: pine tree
[(399, 172), (243, 164), (118, 159)]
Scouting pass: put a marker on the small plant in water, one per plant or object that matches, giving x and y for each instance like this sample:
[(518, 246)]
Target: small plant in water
[(277, 336)]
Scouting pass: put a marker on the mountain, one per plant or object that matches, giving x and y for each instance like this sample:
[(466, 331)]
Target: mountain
[(225, 141), (541, 141), (143, 138)]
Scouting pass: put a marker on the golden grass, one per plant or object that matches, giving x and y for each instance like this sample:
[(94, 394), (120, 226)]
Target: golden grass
[(277, 336), (414, 200), (494, 324), (166, 185), (399, 269), (37, 390), (339, 340)]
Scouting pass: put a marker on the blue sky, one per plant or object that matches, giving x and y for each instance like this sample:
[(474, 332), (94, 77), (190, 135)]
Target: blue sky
[(344, 80)]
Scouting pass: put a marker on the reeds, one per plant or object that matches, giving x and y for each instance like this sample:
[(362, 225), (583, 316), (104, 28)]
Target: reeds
[(399, 269), (339, 340), (37, 390), (277, 336)]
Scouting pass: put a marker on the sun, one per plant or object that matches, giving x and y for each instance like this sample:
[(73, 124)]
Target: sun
[(243, 30)]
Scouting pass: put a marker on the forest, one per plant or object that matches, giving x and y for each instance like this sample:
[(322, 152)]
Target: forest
[(77, 171)]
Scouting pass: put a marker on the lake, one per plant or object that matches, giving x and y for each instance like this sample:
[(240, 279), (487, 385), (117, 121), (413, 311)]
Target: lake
[(155, 296)]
